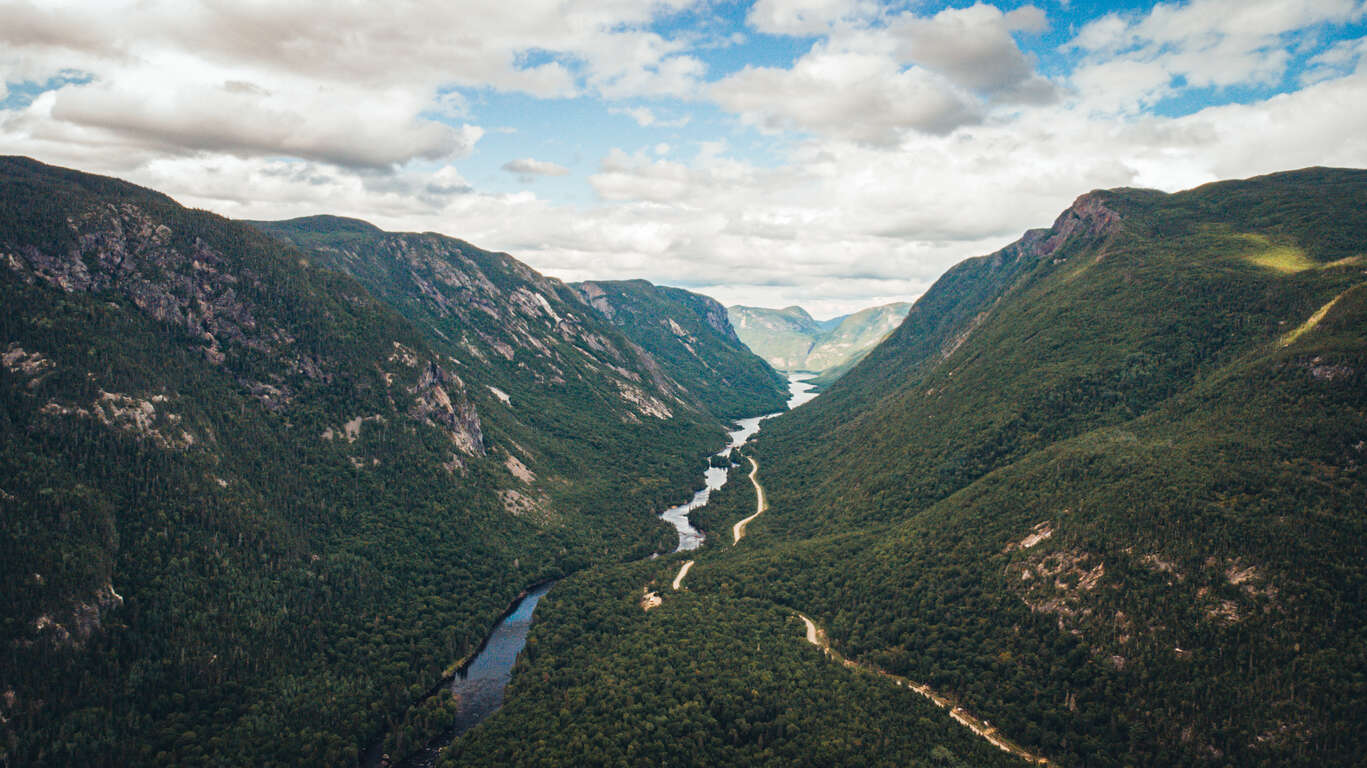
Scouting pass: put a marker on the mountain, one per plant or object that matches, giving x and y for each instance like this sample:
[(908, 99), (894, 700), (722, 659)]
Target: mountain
[(694, 342), (566, 389), (1102, 490), (791, 340), (1106, 484), (783, 337), (259, 495)]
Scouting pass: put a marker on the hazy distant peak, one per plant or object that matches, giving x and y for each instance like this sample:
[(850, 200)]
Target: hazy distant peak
[(791, 340)]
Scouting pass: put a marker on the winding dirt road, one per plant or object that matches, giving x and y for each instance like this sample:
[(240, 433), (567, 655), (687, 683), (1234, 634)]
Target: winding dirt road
[(816, 636), (678, 580), (738, 530)]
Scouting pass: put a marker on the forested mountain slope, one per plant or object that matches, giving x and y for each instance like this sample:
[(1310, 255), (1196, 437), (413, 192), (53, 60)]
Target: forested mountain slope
[(251, 509), (1103, 489), (783, 337), (562, 389), (694, 342), (1107, 483)]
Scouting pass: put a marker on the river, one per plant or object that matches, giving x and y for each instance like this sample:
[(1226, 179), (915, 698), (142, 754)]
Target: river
[(799, 392), (479, 685)]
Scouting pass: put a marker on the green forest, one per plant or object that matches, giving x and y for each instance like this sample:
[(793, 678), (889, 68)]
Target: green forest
[(252, 510), (707, 678), (265, 484), (1104, 488)]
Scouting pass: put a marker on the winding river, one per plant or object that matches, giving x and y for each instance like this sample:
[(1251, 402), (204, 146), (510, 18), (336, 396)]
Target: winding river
[(799, 392), (479, 685)]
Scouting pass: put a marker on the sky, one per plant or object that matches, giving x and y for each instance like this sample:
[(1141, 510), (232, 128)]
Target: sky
[(829, 153)]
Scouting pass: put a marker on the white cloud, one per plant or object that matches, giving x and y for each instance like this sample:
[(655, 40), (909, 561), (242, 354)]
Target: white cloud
[(238, 117), (642, 115), (851, 95), (351, 84), (1136, 60), (921, 140), (834, 227), (646, 117), (876, 83), (806, 17), (527, 166), (974, 48)]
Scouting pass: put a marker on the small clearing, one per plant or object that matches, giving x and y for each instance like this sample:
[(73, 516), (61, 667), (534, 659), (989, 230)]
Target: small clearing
[(1310, 324), (1285, 259), (650, 600), (501, 395)]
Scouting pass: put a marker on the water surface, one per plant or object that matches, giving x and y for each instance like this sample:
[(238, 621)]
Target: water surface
[(799, 392), (479, 685)]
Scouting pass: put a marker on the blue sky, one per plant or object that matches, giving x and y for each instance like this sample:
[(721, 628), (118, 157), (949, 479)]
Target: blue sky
[(831, 153)]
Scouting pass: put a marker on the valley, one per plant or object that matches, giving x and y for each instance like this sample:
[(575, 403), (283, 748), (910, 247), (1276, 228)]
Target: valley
[(317, 493), (1091, 573), (683, 384)]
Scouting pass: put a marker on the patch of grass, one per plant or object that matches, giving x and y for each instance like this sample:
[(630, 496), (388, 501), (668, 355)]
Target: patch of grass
[(1287, 259)]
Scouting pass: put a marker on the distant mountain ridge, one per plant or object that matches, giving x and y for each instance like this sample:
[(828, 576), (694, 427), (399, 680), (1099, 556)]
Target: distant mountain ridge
[(694, 341), (791, 340)]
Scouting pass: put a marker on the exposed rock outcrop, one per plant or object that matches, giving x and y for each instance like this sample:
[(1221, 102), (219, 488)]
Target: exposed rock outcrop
[(434, 405)]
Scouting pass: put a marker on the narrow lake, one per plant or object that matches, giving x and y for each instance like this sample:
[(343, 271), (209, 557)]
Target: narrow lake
[(479, 685)]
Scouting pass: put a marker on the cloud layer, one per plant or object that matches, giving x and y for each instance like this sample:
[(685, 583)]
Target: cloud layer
[(889, 145)]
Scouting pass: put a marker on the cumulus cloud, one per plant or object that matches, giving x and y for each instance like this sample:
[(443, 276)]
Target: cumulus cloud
[(1136, 60), (241, 118), (806, 17), (876, 82), (353, 84), (848, 94), (645, 117), (903, 141), (973, 47), (852, 224)]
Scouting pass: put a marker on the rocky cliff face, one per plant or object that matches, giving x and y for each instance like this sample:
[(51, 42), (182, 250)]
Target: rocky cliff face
[(522, 353), (121, 248), (433, 404), (184, 282), (692, 338)]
